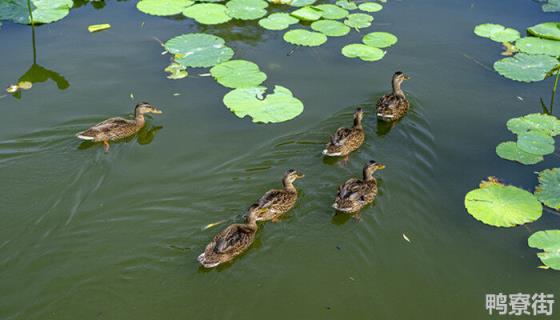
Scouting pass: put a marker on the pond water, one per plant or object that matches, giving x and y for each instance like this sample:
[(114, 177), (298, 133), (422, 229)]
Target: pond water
[(89, 235)]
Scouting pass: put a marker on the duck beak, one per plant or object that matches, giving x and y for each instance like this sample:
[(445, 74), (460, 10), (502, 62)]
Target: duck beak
[(380, 166), (156, 111), (300, 175), (406, 77)]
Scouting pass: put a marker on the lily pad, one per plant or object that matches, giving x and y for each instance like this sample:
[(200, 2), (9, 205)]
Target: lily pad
[(331, 11), (176, 71), (536, 142), (536, 121), (306, 38), (362, 51), (199, 50), (510, 151), (524, 67), (279, 106), (300, 3), (247, 9), (497, 32), (163, 7), (499, 205), (330, 28), (348, 5), (548, 190), (44, 11), (207, 13), (278, 21), (370, 7), (238, 74), (358, 20), (534, 45), (547, 30), (380, 39), (549, 242), (307, 14), (551, 6)]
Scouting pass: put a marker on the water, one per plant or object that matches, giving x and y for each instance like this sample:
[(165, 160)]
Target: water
[(90, 235)]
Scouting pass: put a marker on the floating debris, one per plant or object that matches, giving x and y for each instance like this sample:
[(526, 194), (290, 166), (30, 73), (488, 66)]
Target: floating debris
[(405, 237), (99, 27), (22, 85), (211, 225)]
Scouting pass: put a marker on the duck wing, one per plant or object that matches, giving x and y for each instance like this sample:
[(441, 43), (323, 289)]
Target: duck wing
[(233, 237), (341, 136), (109, 129)]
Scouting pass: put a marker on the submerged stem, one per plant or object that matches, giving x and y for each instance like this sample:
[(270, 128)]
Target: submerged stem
[(554, 91)]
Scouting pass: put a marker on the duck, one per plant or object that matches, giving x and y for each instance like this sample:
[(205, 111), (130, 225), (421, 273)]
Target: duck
[(394, 105), (346, 140), (354, 194), (276, 202), (118, 128), (231, 242)]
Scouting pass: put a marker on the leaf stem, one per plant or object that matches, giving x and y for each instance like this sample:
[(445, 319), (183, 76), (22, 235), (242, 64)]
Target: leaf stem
[(554, 90)]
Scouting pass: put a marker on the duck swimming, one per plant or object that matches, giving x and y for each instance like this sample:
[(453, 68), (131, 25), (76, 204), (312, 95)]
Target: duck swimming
[(231, 241), (276, 202), (354, 194), (346, 140), (393, 106), (118, 128)]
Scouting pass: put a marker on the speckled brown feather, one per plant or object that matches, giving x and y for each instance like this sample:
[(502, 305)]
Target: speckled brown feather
[(392, 107), (111, 129), (346, 140), (228, 244), (354, 194), (276, 202)]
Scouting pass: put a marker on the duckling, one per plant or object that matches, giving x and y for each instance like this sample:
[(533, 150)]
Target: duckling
[(354, 194), (118, 128), (393, 106), (231, 241), (276, 202), (346, 140)]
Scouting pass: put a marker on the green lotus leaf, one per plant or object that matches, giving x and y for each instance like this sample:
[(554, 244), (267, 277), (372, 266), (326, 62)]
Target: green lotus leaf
[(358, 20), (279, 106), (524, 67), (510, 151), (536, 142), (548, 190), (547, 30), (199, 50), (176, 71), (370, 7), (502, 206), (331, 11), (379, 39), (163, 7), (307, 14), (348, 5), (278, 21), (535, 121), (207, 13), (44, 11), (306, 38), (238, 74), (301, 3), (551, 6), (549, 242), (534, 45), (247, 9), (362, 51), (330, 28), (497, 32), (209, 0)]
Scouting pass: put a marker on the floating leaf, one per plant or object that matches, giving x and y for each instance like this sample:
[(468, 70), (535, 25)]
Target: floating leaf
[(307, 14), (535, 121), (199, 50), (524, 67), (370, 7), (176, 71), (380, 39), (549, 242), (358, 20), (330, 28), (301, 3), (278, 21), (510, 151), (362, 51), (99, 27), (548, 190), (502, 206), (279, 106), (331, 11), (534, 45), (208, 13), (303, 37), (497, 32), (348, 5), (246, 9), (547, 30), (163, 7), (536, 142), (238, 74), (44, 11), (25, 85), (551, 6)]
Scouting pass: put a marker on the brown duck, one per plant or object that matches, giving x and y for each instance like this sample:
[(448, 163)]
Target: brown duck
[(393, 106), (231, 242), (276, 202), (118, 128), (346, 140), (354, 194)]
